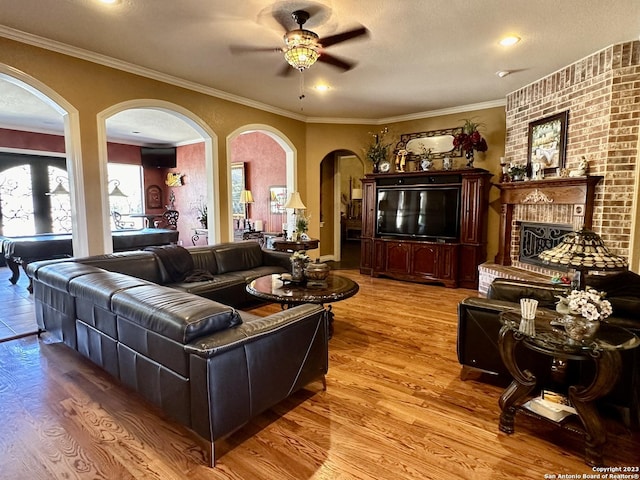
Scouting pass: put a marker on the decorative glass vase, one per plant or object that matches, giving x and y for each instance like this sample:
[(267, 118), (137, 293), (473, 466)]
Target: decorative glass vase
[(297, 269), (580, 329), (469, 156)]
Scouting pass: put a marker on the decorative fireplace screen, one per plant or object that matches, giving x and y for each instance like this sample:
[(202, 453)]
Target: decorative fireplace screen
[(538, 237)]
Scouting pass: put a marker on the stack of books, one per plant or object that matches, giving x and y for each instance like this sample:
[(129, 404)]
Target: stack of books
[(551, 405)]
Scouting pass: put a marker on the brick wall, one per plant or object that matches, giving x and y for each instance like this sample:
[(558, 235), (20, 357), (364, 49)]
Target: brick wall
[(602, 94)]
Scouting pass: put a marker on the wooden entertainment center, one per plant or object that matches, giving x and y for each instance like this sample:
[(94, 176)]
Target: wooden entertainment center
[(450, 261)]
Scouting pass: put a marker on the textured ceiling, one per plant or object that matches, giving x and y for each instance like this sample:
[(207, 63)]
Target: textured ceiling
[(420, 55)]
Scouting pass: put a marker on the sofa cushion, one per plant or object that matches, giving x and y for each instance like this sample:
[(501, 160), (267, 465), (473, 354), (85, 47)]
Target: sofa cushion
[(174, 314), (138, 264), (203, 259), (219, 282), (58, 275), (232, 257), (100, 286)]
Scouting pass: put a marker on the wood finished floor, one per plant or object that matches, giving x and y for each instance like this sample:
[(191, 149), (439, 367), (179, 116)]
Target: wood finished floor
[(394, 408)]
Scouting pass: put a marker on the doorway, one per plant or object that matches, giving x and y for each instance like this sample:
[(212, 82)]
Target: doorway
[(341, 173)]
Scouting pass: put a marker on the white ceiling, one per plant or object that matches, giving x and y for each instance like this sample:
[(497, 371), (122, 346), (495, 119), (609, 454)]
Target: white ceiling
[(422, 56)]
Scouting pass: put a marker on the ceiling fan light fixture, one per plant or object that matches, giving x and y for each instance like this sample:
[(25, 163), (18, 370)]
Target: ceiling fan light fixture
[(301, 57), (301, 48)]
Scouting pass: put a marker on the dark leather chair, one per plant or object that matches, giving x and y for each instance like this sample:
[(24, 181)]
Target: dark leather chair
[(479, 324)]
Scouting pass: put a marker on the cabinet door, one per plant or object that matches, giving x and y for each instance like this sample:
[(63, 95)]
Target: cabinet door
[(366, 255), (425, 259), (470, 211), (448, 262), (368, 208), (468, 271), (398, 256), (379, 255)]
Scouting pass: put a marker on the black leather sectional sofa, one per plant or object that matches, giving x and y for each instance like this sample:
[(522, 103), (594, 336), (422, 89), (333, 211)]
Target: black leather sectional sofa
[(184, 345), (479, 325)]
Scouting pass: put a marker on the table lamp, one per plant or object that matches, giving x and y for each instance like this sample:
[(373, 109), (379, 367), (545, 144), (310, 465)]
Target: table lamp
[(246, 198), (584, 251), (294, 202)]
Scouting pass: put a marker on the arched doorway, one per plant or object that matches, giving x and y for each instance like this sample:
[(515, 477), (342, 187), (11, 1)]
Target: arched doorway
[(63, 118), (269, 182), (204, 187)]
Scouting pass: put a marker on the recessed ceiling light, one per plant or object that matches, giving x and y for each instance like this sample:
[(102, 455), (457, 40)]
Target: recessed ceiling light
[(321, 87), (509, 40), (503, 73)]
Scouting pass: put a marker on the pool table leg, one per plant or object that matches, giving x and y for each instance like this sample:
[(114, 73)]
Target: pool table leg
[(15, 270)]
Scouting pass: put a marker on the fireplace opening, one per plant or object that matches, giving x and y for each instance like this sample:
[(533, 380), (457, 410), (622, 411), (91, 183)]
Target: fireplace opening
[(538, 237)]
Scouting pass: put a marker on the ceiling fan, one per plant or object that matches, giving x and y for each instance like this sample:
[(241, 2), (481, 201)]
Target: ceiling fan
[(302, 48)]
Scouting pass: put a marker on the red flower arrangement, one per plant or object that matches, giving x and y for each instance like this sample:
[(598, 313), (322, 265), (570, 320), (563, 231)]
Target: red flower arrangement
[(470, 138)]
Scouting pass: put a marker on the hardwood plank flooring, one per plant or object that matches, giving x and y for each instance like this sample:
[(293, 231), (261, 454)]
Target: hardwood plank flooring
[(394, 408)]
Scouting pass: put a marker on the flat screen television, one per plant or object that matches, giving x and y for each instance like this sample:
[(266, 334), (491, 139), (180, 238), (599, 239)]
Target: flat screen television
[(426, 212), (158, 157)]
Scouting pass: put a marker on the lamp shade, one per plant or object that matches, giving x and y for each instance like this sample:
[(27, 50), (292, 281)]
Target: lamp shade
[(246, 196), (356, 194), (116, 192), (583, 250), (302, 48), (295, 202), (59, 190)]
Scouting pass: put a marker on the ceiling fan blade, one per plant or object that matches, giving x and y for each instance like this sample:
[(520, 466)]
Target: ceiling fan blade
[(245, 49), (343, 37), (286, 70), (336, 62)]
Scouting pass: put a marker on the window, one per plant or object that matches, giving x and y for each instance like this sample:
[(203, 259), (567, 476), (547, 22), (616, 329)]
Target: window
[(16, 201), (125, 195), (60, 207), (29, 201)]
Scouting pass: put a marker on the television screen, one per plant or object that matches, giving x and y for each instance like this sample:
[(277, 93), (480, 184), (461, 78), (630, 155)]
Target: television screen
[(425, 212), (158, 157)]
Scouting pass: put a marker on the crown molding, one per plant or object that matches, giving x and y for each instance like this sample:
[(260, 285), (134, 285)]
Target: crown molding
[(111, 62)]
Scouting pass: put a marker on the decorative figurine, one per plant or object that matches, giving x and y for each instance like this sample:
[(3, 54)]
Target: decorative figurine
[(583, 168)]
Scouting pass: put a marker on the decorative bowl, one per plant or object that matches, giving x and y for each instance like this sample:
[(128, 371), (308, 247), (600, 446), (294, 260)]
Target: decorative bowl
[(317, 272)]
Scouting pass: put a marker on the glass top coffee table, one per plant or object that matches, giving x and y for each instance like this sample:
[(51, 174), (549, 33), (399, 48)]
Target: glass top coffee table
[(272, 288)]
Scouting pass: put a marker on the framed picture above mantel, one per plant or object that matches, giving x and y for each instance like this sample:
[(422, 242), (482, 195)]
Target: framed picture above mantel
[(548, 143)]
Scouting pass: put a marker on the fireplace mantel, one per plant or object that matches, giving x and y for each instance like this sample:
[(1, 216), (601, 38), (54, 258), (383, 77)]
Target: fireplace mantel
[(577, 191)]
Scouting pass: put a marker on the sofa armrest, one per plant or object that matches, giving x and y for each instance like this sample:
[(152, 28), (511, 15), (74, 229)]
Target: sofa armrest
[(278, 259), (219, 342), (241, 372)]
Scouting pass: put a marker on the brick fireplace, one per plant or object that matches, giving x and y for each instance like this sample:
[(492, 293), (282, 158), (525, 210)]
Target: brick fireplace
[(601, 94)]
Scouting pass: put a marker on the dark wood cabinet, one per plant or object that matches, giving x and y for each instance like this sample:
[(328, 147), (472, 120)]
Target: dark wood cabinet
[(452, 262)]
